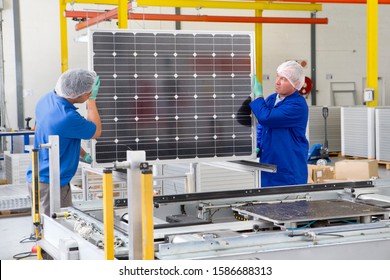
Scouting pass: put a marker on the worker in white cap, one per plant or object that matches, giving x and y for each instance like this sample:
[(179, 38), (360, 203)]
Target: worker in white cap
[(283, 117), (56, 115)]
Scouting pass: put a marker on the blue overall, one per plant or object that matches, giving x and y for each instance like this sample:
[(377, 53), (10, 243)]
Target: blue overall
[(283, 138)]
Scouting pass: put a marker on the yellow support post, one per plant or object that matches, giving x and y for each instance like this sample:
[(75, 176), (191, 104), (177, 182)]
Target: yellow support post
[(108, 214), (99, 2), (122, 14), (39, 253), (230, 5), (64, 27), (147, 214), (36, 197), (259, 47), (372, 49), (64, 37), (35, 188)]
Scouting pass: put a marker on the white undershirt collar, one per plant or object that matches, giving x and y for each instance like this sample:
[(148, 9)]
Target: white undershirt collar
[(278, 99)]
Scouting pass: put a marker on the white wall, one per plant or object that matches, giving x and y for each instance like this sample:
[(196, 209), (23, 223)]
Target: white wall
[(341, 46), (40, 53), (9, 63), (341, 49)]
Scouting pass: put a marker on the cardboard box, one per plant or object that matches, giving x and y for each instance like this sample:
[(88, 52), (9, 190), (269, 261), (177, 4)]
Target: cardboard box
[(356, 170), (309, 177), (319, 173)]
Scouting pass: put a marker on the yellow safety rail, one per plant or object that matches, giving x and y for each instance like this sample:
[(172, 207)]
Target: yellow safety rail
[(147, 214), (372, 49), (108, 214), (35, 209)]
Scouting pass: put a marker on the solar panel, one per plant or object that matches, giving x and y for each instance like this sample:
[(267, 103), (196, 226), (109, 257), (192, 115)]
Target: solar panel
[(174, 95)]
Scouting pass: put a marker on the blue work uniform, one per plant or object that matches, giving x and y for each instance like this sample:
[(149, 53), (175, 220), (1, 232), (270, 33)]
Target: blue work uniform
[(283, 138), (56, 116)]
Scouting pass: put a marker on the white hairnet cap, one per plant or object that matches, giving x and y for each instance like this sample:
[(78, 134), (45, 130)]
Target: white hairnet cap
[(293, 72), (75, 82)]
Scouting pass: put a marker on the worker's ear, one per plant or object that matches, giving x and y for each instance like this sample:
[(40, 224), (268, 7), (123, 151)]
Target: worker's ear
[(244, 113)]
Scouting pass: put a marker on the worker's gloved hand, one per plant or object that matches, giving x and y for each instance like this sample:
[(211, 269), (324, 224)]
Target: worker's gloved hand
[(87, 158), (257, 87), (257, 152), (95, 88)]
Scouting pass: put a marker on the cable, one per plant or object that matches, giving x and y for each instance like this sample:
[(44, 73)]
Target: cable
[(305, 226), (346, 221), (24, 255), (84, 229), (31, 238)]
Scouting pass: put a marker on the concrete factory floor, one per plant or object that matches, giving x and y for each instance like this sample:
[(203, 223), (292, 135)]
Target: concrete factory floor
[(15, 231)]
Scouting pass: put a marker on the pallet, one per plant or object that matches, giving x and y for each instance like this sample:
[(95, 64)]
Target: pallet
[(334, 154), (386, 163), (13, 213), (356, 157), (15, 206)]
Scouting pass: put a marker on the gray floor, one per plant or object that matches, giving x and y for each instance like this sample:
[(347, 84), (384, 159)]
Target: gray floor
[(15, 242), (15, 228), (15, 231)]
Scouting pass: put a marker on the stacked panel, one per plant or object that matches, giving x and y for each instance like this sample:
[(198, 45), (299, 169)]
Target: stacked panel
[(382, 130), (358, 132)]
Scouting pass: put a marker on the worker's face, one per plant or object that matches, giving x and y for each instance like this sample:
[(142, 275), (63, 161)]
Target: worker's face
[(283, 86), (83, 98)]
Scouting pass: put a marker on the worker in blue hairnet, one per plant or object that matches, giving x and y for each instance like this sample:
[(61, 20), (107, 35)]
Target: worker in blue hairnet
[(56, 114), (283, 118)]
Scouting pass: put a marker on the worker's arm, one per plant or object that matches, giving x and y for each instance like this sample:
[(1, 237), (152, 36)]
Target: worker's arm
[(93, 116), (291, 114), (93, 113)]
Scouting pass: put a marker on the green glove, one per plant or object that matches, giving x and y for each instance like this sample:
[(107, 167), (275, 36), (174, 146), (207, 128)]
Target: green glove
[(95, 88), (87, 158), (257, 87)]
